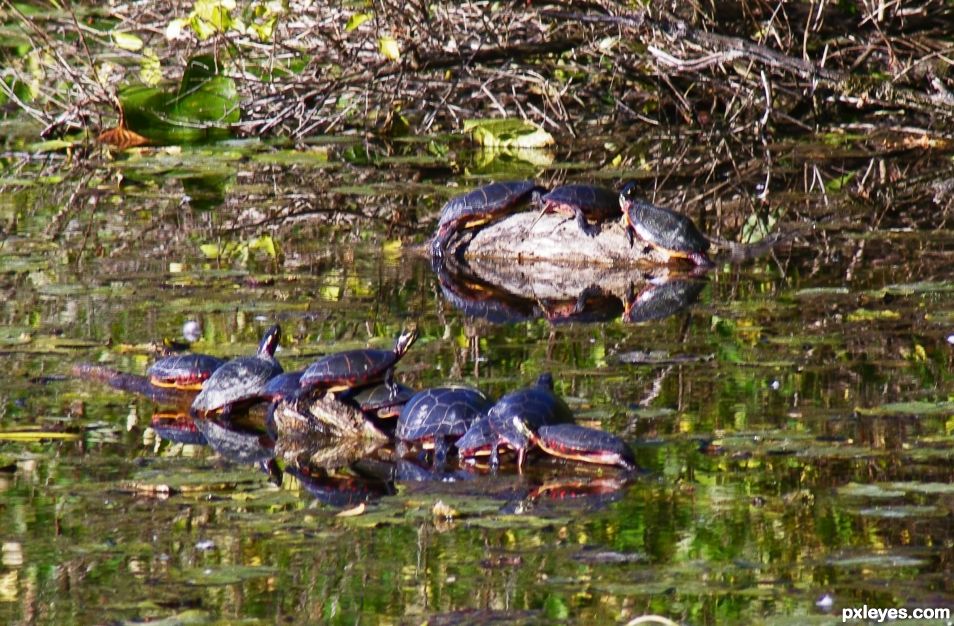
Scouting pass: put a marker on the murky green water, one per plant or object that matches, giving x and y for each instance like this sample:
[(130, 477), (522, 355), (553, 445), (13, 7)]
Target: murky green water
[(796, 422)]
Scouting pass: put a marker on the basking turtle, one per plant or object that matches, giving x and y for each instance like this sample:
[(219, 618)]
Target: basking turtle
[(240, 381), (477, 441), (183, 371), (480, 206), (585, 202), (671, 233), (435, 417), (381, 400), (356, 368), (579, 443), (525, 410)]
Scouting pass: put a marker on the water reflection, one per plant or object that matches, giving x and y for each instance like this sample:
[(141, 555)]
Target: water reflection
[(497, 294)]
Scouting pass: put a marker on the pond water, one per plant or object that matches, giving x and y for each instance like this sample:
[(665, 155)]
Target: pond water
[(795, 423)]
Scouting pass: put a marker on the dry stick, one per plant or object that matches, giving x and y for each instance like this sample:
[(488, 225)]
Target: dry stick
[(856, 92)]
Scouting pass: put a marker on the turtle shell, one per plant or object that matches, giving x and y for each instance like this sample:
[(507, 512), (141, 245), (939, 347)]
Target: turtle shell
[(445, 412), (240, 380), (480, 206), (535, 406), (354, 368), (589, 445), (597, 203), (183, 371), (663, 228), (282, 386), (381, 401)]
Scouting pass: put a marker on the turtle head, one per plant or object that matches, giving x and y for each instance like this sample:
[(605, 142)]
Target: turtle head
[(627, 200), (545, 380), (523, 429), (405, 340), (627, 194), (270, 341)]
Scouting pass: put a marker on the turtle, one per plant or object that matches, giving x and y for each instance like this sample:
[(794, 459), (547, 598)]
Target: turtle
[(356, 368), (531, 407), (478, 439), (672, 234), (435, 417), (380, 400), (183, 371), (480, 206), (240, 381), (585, 202), (579, 443)]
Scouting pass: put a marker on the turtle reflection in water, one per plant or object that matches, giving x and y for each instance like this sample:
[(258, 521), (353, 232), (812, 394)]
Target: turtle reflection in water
[(337, 490), (240, 381), (662, 297), (479, 207)]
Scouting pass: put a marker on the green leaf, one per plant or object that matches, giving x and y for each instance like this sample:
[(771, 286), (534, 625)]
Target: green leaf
[(555, 608), (265, 244), (203, 107), (126, 41), (389, 48), (508, 133), (837, 184), (356, 20)]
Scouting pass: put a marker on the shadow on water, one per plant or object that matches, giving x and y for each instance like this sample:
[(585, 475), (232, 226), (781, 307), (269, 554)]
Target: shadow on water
[(792, 412)]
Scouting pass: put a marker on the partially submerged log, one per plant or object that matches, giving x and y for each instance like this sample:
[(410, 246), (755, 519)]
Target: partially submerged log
[(556, 239)]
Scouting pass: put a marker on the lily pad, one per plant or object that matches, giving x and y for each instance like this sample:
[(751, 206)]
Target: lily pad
[(899, 512), (857, 490), (918, 408), (227, 575)]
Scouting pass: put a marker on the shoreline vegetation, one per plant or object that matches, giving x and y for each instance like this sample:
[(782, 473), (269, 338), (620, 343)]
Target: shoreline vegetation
[(742, 71)]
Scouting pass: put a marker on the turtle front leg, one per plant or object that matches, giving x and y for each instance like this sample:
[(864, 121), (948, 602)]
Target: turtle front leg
[(390, 384), (495, 456), (630, 235), (588, 230), (440, 454)]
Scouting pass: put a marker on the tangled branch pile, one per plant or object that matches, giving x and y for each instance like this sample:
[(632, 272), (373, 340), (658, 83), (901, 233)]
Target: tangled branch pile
[(302, 68)]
